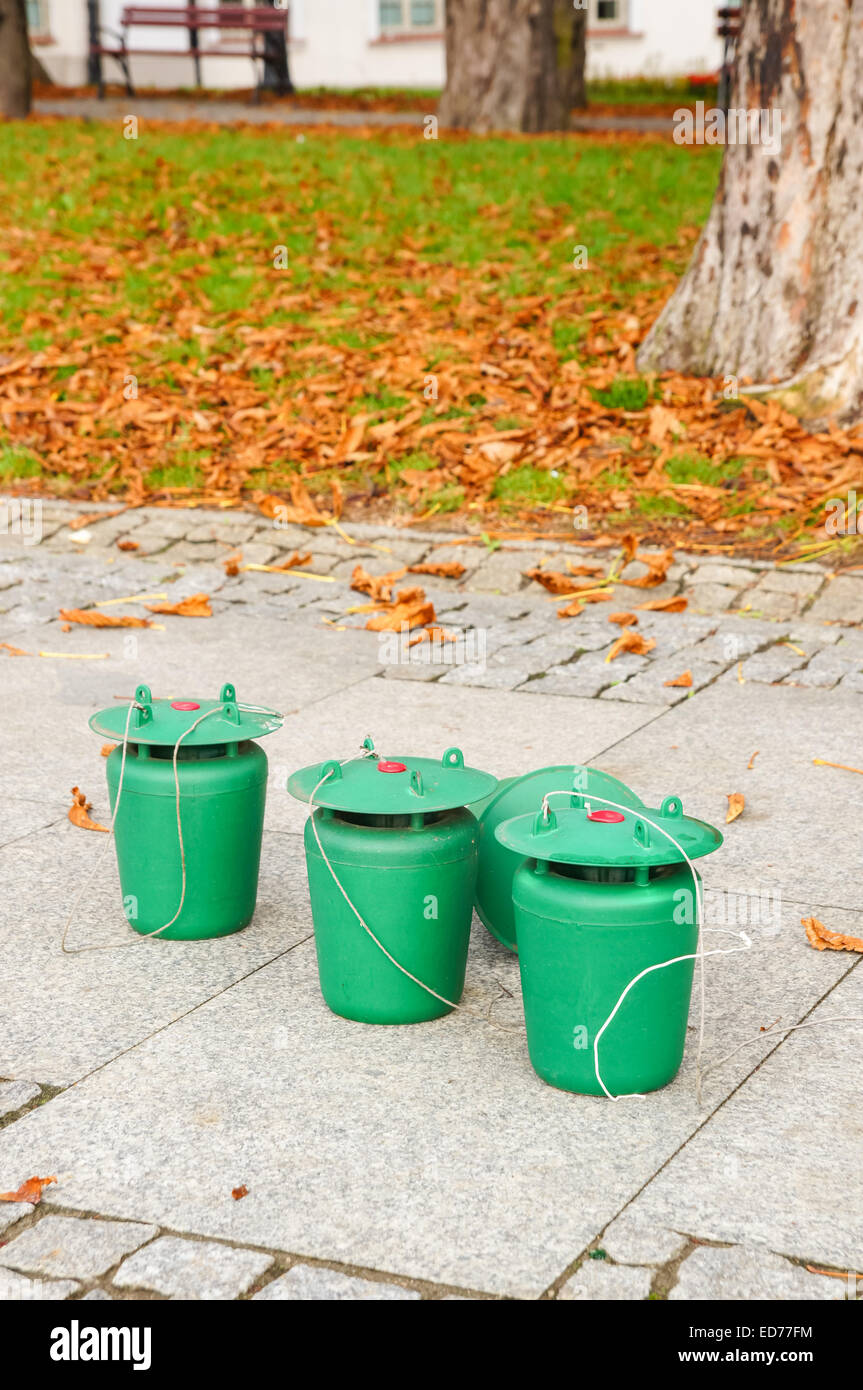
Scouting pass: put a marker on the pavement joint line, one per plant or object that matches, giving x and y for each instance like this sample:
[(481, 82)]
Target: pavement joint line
[(556, 1284), (283, 1260), (186, 1013)]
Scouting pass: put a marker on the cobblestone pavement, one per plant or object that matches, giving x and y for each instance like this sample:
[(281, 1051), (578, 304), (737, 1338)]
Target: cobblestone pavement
[(429, 1162)]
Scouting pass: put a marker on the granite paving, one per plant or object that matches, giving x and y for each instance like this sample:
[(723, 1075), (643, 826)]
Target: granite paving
[(217, 1133)]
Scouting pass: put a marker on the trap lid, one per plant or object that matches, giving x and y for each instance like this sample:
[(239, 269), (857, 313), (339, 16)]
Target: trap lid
[(577, 835), (392, 786), (163, 721), (518, 796)]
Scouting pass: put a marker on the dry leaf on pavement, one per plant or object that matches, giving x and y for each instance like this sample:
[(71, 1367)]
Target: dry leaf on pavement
[(632, 642), (91, 617), (29, 1191), (684, 680), (195, 606), (825, 940), (447, 569), (79, 809), (676, 604), (736, 803), (623, 619)]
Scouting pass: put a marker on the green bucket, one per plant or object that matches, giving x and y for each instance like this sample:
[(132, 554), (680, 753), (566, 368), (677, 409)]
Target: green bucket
[(394, 835), (222, 776), (600, 897), (518, 796)]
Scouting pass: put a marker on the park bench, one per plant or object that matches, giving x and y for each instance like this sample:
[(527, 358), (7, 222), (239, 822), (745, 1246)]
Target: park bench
[(252, 28)]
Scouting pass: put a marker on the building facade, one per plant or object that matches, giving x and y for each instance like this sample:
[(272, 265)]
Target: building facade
[(380, 43)]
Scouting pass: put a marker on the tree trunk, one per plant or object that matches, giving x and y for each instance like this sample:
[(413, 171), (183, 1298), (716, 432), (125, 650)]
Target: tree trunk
[(774, 292), (14, 60), (570, 26), (502, 66)]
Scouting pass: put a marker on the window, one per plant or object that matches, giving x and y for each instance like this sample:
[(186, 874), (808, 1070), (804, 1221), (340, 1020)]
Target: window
[(610, 13), (37, 17), (410, 16)]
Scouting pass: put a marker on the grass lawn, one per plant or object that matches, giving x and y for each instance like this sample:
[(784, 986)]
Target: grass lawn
[(422, 342)]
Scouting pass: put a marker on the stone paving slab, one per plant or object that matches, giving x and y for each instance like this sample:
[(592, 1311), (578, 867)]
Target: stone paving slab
[(495, 732), (430, 1152), (65, 1247), (746, 1275), (192, 1269), (307, 1283), (61, 1016), (778, 1166), (598, 1281), (15, 1288), (786, 838)]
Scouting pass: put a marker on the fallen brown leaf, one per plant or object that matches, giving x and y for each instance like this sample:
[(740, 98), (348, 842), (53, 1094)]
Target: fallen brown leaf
[(232, 564), (751, 763), (294, 561), (238, 1192), (448, 569), (624, 619), (79, 809), (13, 651), (128, 545), (825, 940), (91, 617), (378, 586), (107, 749), (736, 803), (657, 568), (29, 1191), (676, 604), (556, 581), (195, 606), (630, 642), (685, 680)]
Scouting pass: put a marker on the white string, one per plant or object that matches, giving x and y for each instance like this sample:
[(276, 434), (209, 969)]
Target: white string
[(450, 1003), (139, 936)]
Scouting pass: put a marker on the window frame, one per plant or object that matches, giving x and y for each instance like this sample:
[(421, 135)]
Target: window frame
[(42, 29), (620, 20), (407, 29)]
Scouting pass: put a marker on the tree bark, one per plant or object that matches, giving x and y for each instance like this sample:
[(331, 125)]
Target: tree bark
[(502, 67), (774, 292), (570, 26), (15, 83)]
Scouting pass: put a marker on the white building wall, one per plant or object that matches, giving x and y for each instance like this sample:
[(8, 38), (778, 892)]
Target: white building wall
[(668, 38), (336, 43)]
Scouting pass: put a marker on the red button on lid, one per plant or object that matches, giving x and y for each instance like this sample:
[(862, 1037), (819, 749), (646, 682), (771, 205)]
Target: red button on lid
[(391, 767), (184, 704), (606, 817)]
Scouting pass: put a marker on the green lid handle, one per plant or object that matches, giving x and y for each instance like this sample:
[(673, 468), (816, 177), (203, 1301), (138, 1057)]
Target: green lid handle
[(580, 782), (228, 692), (545, 822), (331, 770), (369, 743), (144, 698), (642, 834), (417, 782), (231, 711), (672, 806), (453, 757)]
